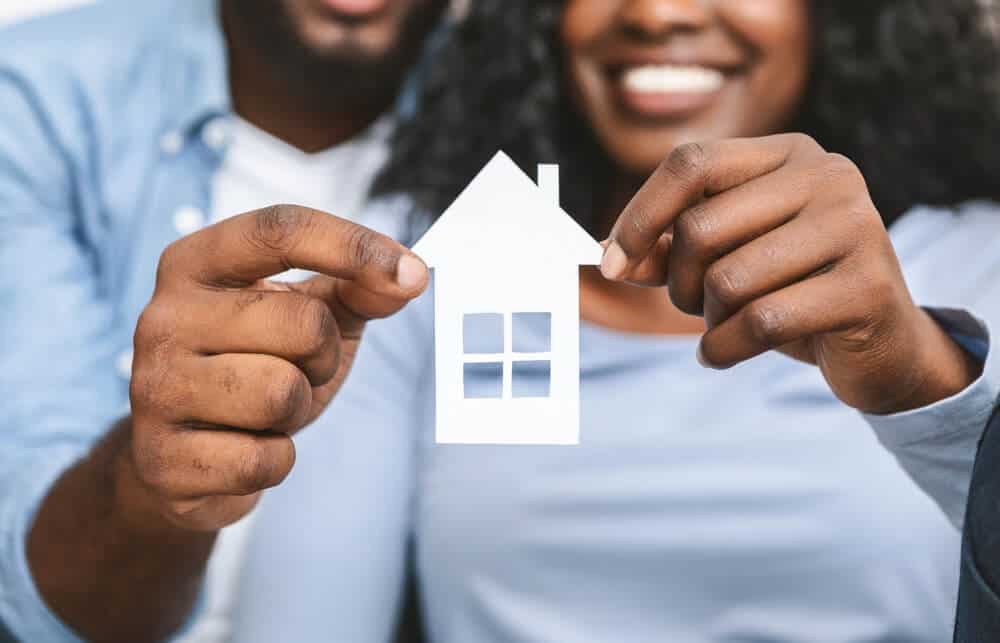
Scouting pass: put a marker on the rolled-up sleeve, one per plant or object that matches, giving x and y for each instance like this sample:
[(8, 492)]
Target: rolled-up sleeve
[(937, 444), (58, 388)]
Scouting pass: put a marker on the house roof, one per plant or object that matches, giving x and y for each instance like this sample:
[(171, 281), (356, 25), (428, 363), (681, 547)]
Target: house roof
[(503, 215)]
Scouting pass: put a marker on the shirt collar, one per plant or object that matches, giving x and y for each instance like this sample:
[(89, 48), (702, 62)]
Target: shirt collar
[(201, 75)]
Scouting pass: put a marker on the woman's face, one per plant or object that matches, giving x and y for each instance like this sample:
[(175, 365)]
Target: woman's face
[(650, 75)]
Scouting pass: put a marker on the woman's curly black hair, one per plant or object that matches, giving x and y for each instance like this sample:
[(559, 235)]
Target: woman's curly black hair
[(908, 89)]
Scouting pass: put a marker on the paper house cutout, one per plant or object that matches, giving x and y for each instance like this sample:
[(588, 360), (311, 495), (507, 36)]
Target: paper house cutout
[(504, 254)]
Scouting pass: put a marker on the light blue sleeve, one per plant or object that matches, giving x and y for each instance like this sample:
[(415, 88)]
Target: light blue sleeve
[(58, 387), (936, 445), (327, 559)]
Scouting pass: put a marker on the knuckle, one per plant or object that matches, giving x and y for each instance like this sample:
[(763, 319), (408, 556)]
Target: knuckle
[(276, 228), (154, 329), (767, 324), (151, 465), (693, 231), (171, 262), (725, 284), (144, 387), (687, 162), (285, 393), (685, 293), (803, 143), (325, 365), (837, 167), (882, 295), (152, 389), (365, 247), (712, 351), (254, 470), (283, 462), (863, 226), (315, 324), (154, 383)]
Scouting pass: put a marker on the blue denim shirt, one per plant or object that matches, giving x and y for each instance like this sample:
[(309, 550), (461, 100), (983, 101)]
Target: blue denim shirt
[(107, 131), (103, 118)]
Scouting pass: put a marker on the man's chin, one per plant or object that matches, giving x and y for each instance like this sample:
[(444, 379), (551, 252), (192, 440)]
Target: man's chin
[(355, 62), (358, 29), (339, 44)]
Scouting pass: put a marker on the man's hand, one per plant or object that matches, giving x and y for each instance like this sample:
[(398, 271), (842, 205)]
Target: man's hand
[(227, 366), (778, 245)]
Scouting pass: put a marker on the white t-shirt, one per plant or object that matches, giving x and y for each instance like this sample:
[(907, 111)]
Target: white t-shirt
[(260, 170)]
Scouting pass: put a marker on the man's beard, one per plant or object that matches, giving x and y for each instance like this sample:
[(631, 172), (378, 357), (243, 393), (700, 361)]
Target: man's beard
[(346, 77)]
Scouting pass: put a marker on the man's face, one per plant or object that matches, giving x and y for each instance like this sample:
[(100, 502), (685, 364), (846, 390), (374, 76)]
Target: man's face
[(368, 43)]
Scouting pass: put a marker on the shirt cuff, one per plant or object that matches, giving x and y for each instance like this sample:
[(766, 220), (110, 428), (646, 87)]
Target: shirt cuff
[(936, 445)]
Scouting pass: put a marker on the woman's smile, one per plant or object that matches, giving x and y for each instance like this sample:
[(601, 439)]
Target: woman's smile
[(667, 91), (649, 80), (667, 83)]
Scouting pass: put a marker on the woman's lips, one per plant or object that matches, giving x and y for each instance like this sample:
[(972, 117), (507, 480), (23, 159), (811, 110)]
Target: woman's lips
[(667, 90)]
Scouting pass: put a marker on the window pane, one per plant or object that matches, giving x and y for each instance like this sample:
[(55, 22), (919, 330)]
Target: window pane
[(532, 332), (482, 333), (483, 380), (531, 379)]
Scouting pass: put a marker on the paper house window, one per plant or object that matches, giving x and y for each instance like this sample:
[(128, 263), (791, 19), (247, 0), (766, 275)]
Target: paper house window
[(483, 380), (506, 263), (506, 355), (531, 378)]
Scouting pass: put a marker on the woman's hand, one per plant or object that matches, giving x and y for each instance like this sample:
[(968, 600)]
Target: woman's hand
[(778, 245)]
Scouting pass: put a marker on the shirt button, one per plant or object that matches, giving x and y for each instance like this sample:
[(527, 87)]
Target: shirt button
[(188, 219), (215, 133), (171, 143), (123, 363)]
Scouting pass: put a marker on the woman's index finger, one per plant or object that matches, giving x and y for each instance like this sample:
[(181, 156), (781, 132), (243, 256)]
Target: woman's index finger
[(689, 174)]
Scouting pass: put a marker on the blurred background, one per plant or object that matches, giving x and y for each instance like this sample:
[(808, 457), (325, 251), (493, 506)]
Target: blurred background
[(14, 9)]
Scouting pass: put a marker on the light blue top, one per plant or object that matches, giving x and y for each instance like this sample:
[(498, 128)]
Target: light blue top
[(746, 505), (737, 502)]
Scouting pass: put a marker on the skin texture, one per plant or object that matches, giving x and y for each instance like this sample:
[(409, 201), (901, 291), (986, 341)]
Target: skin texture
[(228, 365), (771, 240), (334, 74)]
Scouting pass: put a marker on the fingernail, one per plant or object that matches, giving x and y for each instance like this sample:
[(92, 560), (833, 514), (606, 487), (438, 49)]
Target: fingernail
[(614, 263), (410, 272)]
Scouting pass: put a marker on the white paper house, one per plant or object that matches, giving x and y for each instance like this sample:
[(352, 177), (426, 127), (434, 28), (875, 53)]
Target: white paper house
[(504, 249)]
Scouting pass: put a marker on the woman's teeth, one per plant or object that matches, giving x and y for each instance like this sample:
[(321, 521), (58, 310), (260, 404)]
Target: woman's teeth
[(669, 79)]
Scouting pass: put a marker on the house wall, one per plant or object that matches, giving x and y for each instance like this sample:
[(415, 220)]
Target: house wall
[(552, 420)]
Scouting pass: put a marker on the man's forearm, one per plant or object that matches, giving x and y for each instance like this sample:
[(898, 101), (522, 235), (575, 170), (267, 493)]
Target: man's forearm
[(106, 562)]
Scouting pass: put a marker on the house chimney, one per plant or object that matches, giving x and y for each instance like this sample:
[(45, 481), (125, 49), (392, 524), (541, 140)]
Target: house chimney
[(548, 182)]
